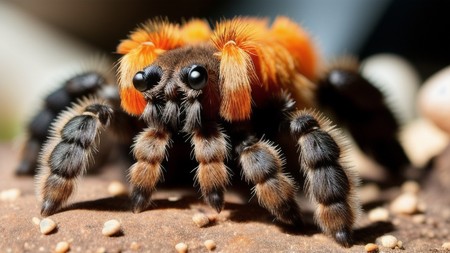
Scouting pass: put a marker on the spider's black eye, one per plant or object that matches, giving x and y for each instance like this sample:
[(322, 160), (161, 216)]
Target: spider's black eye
[(146, 79), (197, 77)]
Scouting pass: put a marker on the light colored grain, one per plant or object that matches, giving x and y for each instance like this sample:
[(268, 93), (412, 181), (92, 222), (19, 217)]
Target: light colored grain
[(210, 245), (406, 203), (62, 247), (200, 219), (379, 214), (389, 241), (46, 226), (111, 227), (371, 248), (10, 195), (181, 247)]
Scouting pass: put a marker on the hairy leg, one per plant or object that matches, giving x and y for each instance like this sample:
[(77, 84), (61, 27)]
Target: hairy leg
[(68, 152), (211, 150), (39, 127), (329, 183), (262, 165), (149, 150), (360, 106)]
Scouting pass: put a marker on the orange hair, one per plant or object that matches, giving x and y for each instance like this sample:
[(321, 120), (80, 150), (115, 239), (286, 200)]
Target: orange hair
[(251, 54)]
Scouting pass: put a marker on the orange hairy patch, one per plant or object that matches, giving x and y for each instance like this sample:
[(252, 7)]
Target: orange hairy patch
[(140, 50), (297, 41), (235, 81), (195, 31), (235, 40)]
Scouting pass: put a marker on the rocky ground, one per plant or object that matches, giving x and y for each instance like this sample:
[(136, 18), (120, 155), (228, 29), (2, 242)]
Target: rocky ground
[(242, 226)]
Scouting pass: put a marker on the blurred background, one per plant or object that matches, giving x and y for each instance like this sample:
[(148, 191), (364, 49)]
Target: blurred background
[(43, 40)]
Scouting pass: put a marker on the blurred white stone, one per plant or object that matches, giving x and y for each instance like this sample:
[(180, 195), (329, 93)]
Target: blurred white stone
[(434, 99), (398, 79)]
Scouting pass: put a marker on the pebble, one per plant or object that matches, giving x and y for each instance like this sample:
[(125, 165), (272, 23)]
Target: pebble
[(200, 219), (101, 250), (400, 244), (62, 247), (411, 187), (389, 241), (116, 188), (181, 247), (111, 227), (46, 226), (371, 248), (379, 214), (210, 244), (135, 246), (174, 198), (406, 203), (434, 98), (419, 218), (36, 221), (10, 195), (397, 77), (446, 245)]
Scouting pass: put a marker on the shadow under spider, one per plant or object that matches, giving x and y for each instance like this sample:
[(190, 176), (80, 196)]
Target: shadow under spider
[(123, 204)]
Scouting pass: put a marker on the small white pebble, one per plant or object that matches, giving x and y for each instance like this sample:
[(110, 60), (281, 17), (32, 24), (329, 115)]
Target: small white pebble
[(371, 248), (210, 244), (36, 221), (200, 219), (389, 241), (135, 246), (379, 214), (411, 187), (181, 247), (446, 245), (46, 226), (419, 218), (10, 195), (111, 228), (101, 250), (116, 188), (174, 198), (406, 203), (62, 247)]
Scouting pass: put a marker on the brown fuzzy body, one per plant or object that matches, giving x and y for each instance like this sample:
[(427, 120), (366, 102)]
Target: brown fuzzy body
[(231, 97)]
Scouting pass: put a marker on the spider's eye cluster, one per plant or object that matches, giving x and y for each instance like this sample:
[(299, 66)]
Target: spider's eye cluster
[(195, 76), (147, 78)]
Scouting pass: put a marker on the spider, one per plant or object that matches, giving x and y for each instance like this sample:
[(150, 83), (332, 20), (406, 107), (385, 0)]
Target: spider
[(235, 90)]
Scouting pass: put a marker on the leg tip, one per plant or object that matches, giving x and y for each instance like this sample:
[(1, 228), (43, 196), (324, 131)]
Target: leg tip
[(344, 238), (215, 200), (140, 201), (49, 208)]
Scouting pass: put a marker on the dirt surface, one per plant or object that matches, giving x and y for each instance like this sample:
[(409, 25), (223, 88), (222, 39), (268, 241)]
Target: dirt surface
[(242, 226)]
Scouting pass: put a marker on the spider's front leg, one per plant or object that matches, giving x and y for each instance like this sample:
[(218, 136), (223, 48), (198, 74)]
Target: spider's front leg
[(68, 153), (39, 127), (211, 151), (149, 150), (262, 165), (329, 182)]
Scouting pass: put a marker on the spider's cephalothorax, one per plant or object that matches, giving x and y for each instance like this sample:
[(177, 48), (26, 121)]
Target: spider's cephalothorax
[(232, 91)]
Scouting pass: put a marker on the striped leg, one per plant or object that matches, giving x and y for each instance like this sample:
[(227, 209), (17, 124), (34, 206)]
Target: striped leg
[(149, 150), (211, 150), (330, 184), (69, 151), (262, 165)]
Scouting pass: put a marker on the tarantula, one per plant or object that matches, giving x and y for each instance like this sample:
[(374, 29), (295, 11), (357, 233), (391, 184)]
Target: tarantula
[(232, 90)]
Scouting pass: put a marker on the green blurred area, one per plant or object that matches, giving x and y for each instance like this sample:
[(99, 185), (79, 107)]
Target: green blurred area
[(9, 129)]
